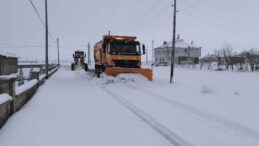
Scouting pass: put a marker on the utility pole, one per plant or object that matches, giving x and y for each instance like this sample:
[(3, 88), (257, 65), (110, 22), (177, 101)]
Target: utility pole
[(58, 51), (173, 44), (153, 51), (46, 40), (189, 55), (89, 61)]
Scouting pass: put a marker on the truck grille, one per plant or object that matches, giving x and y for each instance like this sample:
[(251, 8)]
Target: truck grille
[(126, 63)]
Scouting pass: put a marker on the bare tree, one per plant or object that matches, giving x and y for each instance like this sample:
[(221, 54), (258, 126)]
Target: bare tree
[(225, 58), (219, 55), (251, 58), (227, 52)]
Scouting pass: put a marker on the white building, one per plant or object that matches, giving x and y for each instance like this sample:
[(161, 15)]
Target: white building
[(184, 52)]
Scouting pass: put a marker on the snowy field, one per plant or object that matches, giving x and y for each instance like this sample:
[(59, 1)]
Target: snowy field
[(201, 108)]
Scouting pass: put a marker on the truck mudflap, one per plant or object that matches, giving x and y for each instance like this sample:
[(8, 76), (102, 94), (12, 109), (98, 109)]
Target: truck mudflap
[(114, 71)]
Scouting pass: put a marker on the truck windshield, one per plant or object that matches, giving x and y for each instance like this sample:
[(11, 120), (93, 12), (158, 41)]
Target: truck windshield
[(132, 48), (79, 54)]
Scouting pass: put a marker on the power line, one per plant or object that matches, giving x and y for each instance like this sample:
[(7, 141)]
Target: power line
[(46, 41), (214, 16), (25, 46), (153, 24), (218, 26), (135, 19), (36, 11), (193, 4), (148, 19), (156, 4)]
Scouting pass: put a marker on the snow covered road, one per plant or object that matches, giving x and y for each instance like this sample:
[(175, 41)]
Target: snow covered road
[(202, 108), (67, 111)]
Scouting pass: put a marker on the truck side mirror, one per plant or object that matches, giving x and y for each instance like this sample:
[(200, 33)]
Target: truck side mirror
[(85, 55), (109, 48), (144, 49), (73, 55)]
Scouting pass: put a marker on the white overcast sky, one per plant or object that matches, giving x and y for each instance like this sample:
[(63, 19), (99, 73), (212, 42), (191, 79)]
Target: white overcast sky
[(76, 22)]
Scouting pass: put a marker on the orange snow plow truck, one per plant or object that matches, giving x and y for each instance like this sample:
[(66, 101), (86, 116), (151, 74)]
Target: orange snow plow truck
[(119, 54)]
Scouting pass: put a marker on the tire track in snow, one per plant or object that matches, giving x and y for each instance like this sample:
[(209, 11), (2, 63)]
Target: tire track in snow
[(171, 137), (210, 118)]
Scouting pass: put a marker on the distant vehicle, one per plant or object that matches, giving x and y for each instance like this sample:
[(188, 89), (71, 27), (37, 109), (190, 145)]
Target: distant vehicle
[(79, 61), (119, 54), (162, 64)]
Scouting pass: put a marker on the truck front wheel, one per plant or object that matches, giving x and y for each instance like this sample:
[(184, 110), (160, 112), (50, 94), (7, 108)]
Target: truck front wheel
[(86, 67), (72, 67)]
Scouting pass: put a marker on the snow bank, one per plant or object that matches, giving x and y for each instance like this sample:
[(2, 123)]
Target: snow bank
[(7, 77), (42, 76), (36, 69), (4, 98), (133, 77), (105, 79), (30, 63), (206, 90), (26, 86), (122, 78), (50, 72)]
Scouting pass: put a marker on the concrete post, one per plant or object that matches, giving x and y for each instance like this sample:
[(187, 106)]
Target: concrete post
[(42, 71), (36, 75), (8, 86), (12, 94), (12, 87)]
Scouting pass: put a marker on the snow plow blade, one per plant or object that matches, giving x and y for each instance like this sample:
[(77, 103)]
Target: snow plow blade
[(116, 71)]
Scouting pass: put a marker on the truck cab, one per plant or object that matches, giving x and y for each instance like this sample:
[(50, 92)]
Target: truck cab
[(79, 61), (118, 54)]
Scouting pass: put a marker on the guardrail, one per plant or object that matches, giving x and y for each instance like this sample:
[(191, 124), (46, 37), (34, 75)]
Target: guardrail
[(41, 67), (14, 98)]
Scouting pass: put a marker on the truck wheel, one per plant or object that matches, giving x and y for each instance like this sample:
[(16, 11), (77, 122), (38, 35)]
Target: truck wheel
[(86, 67), (98, 74), (72, 67), (97, 71)]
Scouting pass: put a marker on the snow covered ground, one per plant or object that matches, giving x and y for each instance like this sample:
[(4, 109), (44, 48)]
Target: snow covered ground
[(201, 108)]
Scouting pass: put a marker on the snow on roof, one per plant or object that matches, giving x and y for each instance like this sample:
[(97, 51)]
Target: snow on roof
[(252, 51), (8, 54), (4, 98), (180, 43)]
